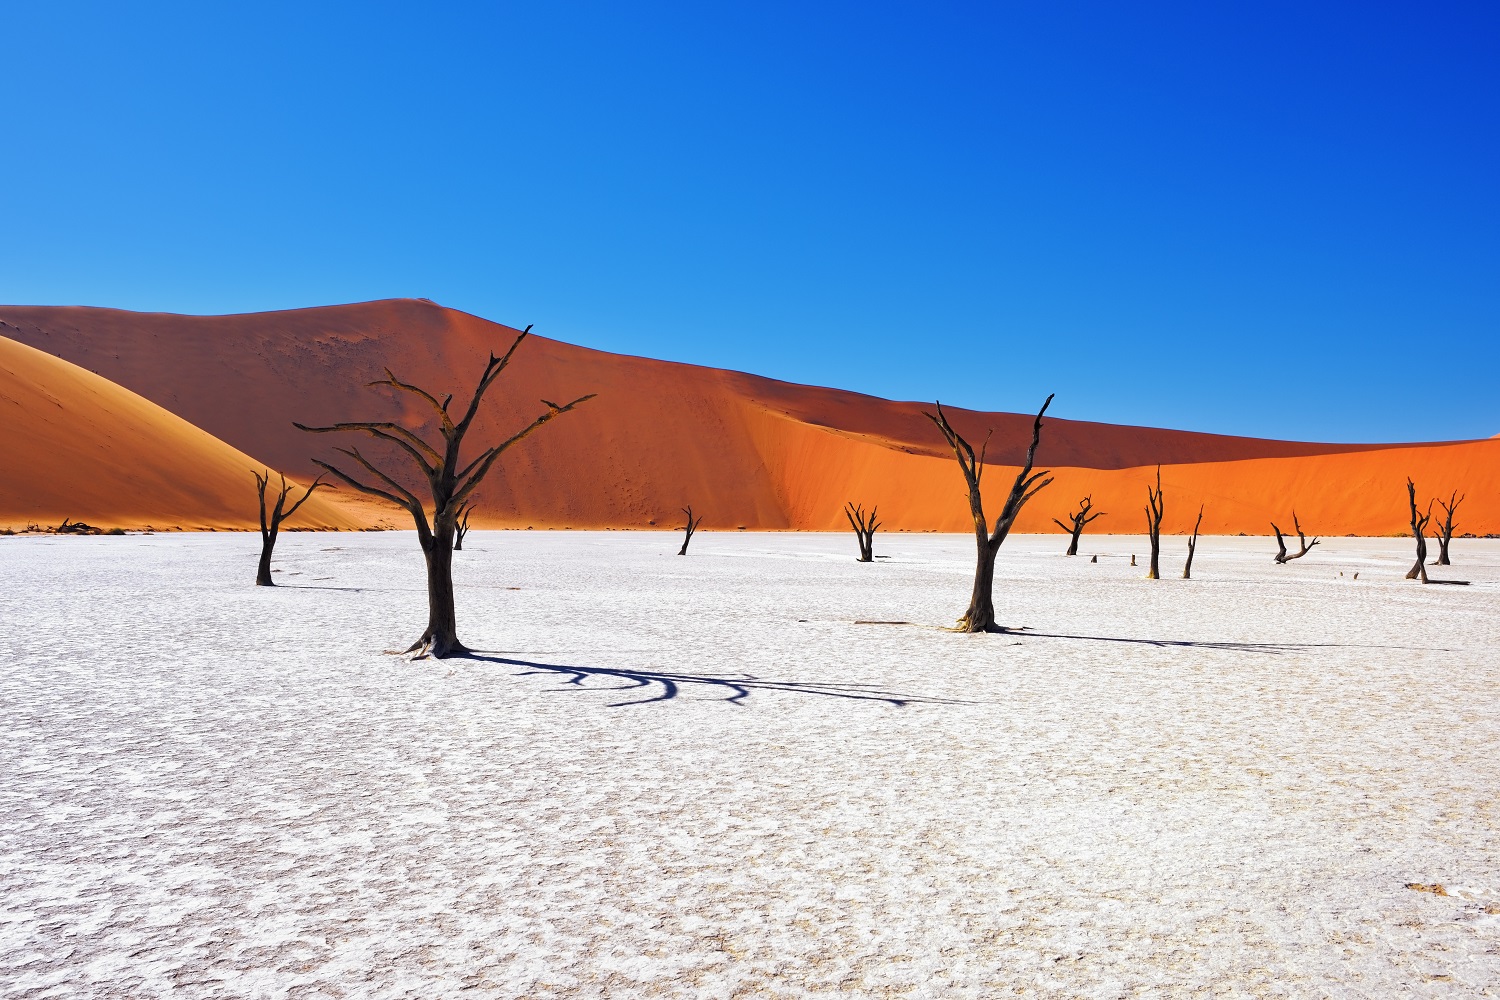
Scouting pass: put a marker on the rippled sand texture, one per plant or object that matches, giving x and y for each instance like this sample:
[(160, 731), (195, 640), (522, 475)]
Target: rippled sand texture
[(699, 777)]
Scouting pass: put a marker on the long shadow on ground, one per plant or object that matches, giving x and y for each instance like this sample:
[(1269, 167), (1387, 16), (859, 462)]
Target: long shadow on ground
[(312, 586), (735, 687), (1273, 648)]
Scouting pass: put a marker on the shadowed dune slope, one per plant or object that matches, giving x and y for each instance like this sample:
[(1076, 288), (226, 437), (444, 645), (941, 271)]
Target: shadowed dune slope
[(75, 445), (743, 450)]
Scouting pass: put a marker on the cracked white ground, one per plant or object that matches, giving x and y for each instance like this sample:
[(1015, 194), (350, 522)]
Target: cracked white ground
[(699, 777)]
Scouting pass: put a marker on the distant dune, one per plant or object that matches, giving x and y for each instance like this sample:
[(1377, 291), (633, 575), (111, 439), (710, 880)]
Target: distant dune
[(743, 450), (75, 445)]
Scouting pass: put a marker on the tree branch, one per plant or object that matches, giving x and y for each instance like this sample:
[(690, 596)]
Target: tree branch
[(857, 525), (1039, 487), (983, 450), (387, 431), (260, 489), (350, 480), (492, 371), (411, 498), (315, 484), (440, 409), (476, 470), (1018, 492), (962, 450)]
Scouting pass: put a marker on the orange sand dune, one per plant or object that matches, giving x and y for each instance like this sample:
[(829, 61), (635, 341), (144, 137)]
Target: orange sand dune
[(75, 445), (1355, 492), (745, 451)]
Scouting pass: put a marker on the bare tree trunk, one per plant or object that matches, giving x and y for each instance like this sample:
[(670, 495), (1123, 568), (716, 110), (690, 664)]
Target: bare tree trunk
[(1418, 530), (1419, 568), (1282, 556), (1156, 505), (1187, 567), (441, 636), (1076, 522), (270, 520), (450, 481), (263, 571), (688, 528), (1444, 533), (270, 523), (980, 616), (864, 529), (461, 526)]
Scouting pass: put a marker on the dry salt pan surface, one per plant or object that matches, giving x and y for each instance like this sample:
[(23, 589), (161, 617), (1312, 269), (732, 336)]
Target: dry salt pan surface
[(702, 777)]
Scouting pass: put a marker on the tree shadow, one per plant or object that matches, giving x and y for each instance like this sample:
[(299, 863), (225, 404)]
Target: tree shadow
[(662, 686), (308, 586), (1272, 648)]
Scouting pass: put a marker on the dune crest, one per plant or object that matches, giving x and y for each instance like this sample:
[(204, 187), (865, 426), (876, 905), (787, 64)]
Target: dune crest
[(744, 450)]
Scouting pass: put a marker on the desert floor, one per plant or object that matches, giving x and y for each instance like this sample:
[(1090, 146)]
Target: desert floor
[(704, 777)]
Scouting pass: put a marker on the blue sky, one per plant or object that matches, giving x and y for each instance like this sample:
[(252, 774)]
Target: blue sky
[(1279, 220)]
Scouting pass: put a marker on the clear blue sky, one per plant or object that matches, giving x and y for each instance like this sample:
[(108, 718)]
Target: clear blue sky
[(1275, 219)]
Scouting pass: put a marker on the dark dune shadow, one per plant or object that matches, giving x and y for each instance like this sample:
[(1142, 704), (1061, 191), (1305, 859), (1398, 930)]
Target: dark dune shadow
[(661, 686)]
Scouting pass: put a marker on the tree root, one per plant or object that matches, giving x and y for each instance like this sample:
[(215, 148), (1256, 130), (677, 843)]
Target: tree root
[(428, 646), (963, 627)]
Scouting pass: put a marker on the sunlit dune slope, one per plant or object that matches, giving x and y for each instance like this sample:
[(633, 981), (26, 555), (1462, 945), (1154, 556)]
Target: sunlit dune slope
[(743, 450), (75, 445), (1353, 492)]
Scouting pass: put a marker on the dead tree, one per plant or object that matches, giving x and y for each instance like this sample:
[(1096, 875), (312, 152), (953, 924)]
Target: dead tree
[(1156, 504), (689, 528), (1187, 567), (981, 614), (1077, 521), (864, 529), (461, 525), (1418, 570), (270, 522), (1443, 533), (1282, 556), (450, 481)]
